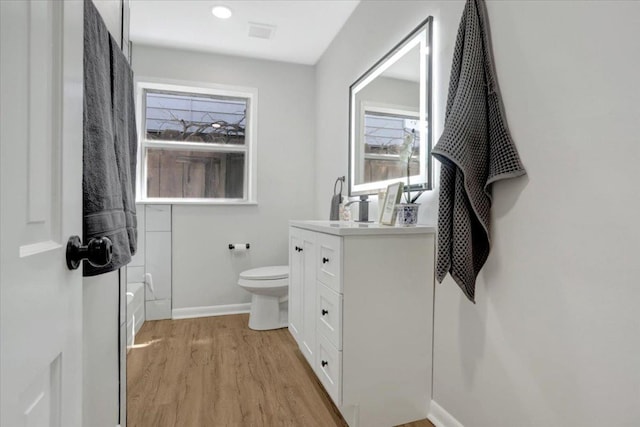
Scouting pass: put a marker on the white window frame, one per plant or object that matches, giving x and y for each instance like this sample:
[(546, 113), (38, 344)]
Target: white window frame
[(143, 84)]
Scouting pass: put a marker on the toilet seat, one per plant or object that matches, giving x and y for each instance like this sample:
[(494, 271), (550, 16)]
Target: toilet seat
[(266, 273)]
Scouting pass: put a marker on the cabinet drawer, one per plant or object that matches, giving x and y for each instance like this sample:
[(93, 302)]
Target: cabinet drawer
[(329, 369), (329, 314), (330, 261)]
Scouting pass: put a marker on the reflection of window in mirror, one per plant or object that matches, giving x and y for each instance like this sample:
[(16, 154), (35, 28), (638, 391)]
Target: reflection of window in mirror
[(385, 131)]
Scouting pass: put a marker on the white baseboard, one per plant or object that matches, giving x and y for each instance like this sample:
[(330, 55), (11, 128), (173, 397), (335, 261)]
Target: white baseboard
[(439, 417), (212, 310)]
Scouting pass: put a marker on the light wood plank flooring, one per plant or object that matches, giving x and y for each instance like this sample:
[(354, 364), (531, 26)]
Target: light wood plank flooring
[(215, 371)]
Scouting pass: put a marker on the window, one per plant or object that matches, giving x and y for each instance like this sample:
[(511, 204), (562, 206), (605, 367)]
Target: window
[(197, 144), (384, 133)]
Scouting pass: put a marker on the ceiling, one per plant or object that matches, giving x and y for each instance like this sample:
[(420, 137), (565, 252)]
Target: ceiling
[(303, 28)]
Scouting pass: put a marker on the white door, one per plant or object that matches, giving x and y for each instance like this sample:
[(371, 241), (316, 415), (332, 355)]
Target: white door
[(41, 48)]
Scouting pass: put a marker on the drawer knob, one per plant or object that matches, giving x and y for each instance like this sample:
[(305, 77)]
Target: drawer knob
[(324, 363), (325, 260), (324, 312)]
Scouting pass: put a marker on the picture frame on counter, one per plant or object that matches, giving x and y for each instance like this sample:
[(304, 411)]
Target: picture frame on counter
[(392, 198)]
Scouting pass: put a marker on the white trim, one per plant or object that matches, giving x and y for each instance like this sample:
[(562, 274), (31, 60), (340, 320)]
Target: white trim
[(440, 417), (223, 202), (212, 310), (143, 83), (195, 146)]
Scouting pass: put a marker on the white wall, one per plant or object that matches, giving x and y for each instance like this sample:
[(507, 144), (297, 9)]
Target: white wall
[(205, 272), (554, 337), (388, 90)]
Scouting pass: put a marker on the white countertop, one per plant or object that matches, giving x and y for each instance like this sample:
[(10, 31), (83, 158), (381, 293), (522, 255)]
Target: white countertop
[(352, 228)]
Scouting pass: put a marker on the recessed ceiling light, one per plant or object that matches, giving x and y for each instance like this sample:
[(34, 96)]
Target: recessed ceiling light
[(222, 12)]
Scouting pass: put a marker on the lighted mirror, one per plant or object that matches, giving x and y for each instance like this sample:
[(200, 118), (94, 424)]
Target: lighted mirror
[(390, 108)]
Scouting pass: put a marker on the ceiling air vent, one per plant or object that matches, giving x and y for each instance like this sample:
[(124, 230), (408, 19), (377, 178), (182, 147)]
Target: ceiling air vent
[(261, 31)]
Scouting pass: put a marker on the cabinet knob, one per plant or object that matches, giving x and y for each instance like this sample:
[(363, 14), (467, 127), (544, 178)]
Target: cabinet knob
[(325, 260), (324, 312), (324, 363)]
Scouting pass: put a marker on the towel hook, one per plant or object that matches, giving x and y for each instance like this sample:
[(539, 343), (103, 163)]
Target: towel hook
[(340, 180)]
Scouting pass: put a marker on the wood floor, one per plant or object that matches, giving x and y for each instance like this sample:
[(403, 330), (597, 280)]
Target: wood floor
[(215, 371)]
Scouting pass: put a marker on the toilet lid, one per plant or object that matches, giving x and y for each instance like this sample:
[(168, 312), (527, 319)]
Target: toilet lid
[(266, 273)]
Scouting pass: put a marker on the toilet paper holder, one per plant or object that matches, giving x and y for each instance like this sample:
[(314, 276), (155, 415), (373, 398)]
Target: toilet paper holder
[(232, 246)]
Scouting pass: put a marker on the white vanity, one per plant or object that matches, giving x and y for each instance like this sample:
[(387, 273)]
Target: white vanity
[(361, 310)]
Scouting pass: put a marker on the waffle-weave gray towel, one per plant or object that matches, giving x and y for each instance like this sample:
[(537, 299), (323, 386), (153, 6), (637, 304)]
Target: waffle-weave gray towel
[(475, 150)]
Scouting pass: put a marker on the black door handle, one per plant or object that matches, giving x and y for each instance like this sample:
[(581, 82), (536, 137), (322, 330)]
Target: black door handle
[(325, 260), (324, 363), (325, 311), (97, 252)]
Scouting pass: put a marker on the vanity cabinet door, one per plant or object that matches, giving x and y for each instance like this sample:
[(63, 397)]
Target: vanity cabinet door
[(295, 284), (309, 295), (302, 290)]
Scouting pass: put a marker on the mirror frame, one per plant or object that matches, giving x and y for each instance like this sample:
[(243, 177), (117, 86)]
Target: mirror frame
[(421, 35)]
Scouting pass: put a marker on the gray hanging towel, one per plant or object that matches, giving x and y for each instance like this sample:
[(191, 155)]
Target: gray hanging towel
[(475, 150), (125, 136), (108, 149)]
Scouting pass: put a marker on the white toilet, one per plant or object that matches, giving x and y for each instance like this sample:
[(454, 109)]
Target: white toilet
[(269, 287)]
